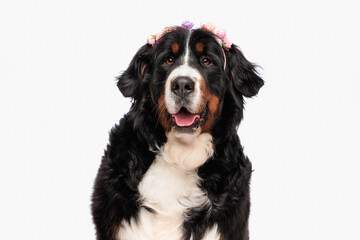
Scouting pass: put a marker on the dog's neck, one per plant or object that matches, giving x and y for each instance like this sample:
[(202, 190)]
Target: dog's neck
[(188, 151)]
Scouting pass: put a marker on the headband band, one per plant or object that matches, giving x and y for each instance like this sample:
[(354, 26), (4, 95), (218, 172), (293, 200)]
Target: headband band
[(219, 32)]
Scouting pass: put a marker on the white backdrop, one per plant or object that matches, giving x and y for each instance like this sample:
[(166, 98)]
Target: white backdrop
[(58, 100)]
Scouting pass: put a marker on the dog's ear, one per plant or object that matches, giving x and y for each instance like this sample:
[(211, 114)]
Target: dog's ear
[(245, 79), (129, 82)]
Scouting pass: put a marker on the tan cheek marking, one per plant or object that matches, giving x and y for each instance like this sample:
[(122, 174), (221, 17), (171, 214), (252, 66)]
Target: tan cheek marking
[(175, 48), (161, 114), (213, 103), (199, 47)]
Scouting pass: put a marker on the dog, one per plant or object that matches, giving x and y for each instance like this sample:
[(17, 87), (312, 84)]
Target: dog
[(174, 168)]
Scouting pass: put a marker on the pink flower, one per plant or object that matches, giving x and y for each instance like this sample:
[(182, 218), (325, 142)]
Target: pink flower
[(151, 40), (168, 29), (227, 44), (221, 33), (158, 36), (208, 26)]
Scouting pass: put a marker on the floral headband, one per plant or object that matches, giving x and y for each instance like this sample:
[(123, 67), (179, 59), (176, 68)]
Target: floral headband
[(219, 32)]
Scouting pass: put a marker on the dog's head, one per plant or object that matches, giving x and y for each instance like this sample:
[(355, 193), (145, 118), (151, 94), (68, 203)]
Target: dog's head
[(191, 80)]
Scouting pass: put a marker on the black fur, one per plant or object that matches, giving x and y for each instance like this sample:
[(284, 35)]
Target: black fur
[(225, 176)]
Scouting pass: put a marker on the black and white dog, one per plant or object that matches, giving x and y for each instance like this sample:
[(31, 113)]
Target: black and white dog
[(174, 168)]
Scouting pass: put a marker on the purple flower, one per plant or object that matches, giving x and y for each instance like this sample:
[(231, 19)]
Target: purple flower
[(187, 24)]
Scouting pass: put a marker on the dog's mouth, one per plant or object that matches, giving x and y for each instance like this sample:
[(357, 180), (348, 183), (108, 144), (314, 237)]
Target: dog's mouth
[(187, 122)]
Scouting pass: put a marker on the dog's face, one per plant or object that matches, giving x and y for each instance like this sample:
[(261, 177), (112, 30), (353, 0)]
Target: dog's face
[(188, 80), (186, 76)]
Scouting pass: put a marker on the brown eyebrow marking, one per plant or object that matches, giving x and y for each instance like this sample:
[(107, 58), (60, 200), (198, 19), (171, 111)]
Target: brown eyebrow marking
[(199, 47), (175, 48)]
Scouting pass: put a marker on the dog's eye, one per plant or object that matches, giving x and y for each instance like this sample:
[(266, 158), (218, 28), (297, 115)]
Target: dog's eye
[(205, 61), (169, 61)]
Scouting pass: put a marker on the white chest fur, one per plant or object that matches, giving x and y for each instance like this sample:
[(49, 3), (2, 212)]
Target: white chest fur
[(170, 188)]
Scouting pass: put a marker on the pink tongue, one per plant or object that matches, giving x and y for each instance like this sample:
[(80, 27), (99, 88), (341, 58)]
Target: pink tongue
[(184, 119)]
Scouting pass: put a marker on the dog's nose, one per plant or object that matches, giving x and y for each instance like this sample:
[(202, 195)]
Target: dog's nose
[(182, 86)]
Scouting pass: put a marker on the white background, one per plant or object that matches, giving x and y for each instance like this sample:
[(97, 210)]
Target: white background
[(58, 100)]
